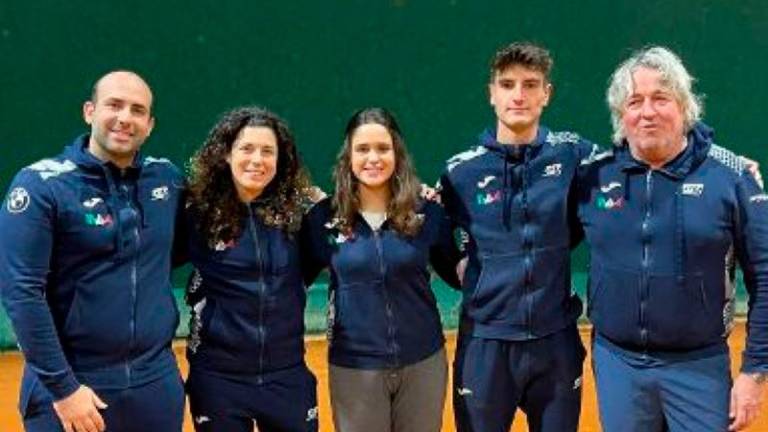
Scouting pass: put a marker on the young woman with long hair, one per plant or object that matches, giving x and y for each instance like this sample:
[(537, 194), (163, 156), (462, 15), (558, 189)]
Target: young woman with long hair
[(246, 346), (388, 368)]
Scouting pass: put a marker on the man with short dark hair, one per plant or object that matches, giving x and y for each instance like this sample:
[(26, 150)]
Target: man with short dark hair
[(511, 193), (664, 211), (85, 260)]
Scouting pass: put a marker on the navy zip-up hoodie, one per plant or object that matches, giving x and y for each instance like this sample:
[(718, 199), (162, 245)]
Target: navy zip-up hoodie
[(85, 261), (515, 204), (659, 242), (247, 299), (383, 313)]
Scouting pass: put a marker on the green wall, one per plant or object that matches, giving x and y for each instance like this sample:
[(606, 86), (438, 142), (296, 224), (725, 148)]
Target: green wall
[(315, 62)]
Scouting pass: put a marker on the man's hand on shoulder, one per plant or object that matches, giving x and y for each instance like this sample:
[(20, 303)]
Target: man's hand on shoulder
[(79, 412), (754, 168), (430, 194)]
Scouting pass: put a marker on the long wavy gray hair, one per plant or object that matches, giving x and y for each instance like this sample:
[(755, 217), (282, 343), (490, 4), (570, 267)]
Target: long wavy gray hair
[(674, 75)]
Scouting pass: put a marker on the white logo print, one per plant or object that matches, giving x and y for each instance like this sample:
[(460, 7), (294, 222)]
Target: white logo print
[(611, 186), (577, 383), (196, 326), (484, 182), (202, 419), (553, 170), (463, 391), (312, 414), (160, 193), (340, 238), (693, 189), (18, 200), (92, 202), (758, 198)]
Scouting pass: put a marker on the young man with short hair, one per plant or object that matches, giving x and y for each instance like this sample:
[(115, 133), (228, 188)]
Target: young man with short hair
[(511, 193)]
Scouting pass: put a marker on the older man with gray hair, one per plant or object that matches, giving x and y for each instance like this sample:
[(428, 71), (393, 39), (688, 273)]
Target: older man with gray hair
[(663, 211)]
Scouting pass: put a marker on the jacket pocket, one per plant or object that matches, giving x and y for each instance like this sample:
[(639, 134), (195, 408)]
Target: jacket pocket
[(499, 289), (681, 315), (361, 324), (215, 331), (95, 305), (614, 298), (593, 290)]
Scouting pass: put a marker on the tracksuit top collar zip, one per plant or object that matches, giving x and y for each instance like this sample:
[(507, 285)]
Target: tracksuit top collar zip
[(666, 250), (121, 185), (513, 155), (78, 152), (695, 152), (97, 246), (699, 141), (383, 313)]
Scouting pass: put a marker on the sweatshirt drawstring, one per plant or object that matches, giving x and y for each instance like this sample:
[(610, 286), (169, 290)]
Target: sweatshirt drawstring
[(524, 197), (505, 196), (679, 239), (113, 197)]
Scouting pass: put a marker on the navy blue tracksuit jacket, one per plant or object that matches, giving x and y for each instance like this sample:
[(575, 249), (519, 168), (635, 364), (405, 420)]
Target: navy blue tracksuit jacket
[(659, 243), (85, 261), (383, 312), (516, 205), (247, 299)]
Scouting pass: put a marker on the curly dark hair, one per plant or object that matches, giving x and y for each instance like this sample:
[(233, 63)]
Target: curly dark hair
[(404, 185), (218, 210)]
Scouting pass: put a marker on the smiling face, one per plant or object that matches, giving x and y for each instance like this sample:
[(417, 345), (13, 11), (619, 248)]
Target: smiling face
[(518, 96), (253, 161), (120, 117), (653, 118), (372, 156)]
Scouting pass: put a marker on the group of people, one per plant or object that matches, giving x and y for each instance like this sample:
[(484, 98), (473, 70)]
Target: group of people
[(88, 240)]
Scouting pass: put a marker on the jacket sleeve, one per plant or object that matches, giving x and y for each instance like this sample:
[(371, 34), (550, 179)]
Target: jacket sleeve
[(751, 246), (312, 243), (180, 253), (26, 242), (575, 228), (450, 200), (444, 255), (583, 150)]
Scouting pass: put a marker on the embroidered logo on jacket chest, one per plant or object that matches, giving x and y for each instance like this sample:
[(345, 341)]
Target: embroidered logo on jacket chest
[(607, 199), (97, 219), (553, 170), (484, 196), (160, 193), (692, 189)]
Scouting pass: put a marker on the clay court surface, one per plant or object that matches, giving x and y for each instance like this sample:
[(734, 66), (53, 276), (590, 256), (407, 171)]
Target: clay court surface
[(11, 365)]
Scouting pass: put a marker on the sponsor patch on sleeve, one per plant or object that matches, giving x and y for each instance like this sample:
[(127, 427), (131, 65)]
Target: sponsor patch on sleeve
[(18, 200)]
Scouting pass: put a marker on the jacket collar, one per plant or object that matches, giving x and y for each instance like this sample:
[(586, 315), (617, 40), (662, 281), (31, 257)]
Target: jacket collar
[(513, 153), (78, 153), (700, 139)]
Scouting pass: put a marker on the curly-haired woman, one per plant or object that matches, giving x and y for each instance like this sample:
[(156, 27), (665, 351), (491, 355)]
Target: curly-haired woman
[(246, 349), (387, 363)]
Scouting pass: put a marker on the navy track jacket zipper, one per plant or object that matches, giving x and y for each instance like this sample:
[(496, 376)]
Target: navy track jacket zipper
[(85, 262), (385, 314), (660, 243), (515, 203)]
